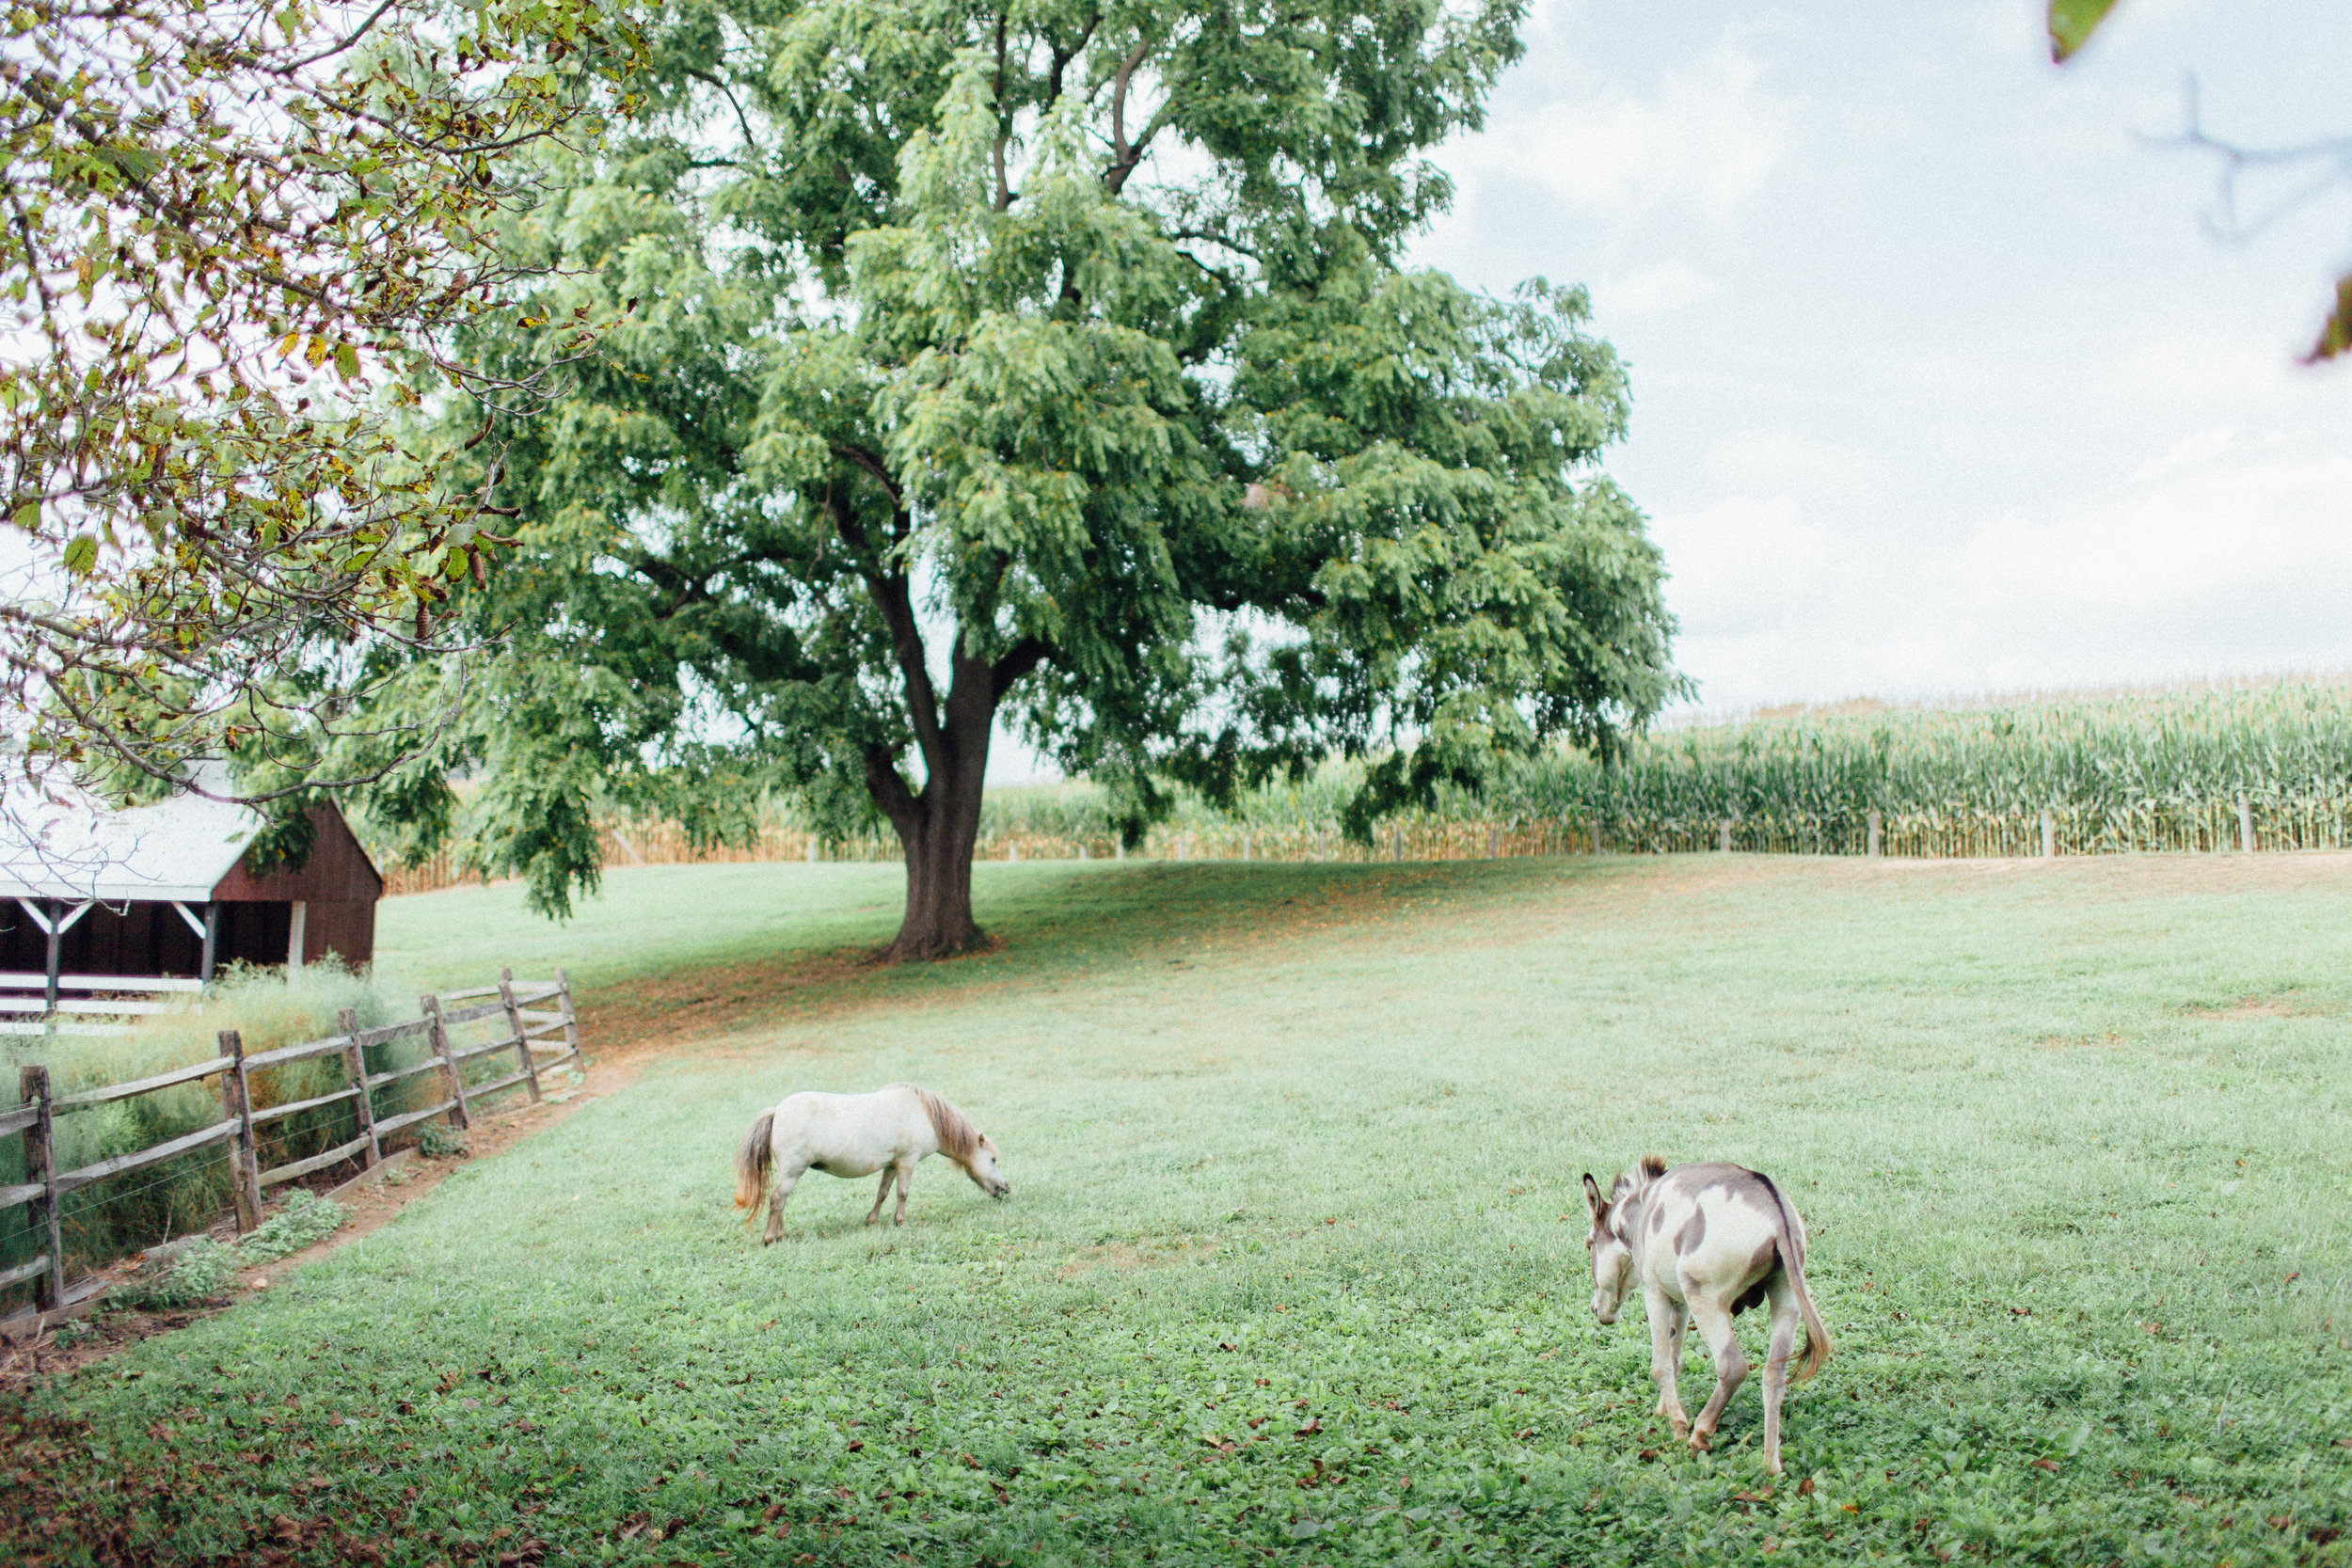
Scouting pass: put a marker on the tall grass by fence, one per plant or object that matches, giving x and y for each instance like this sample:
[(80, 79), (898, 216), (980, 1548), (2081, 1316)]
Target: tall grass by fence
[(89, 1170), (2256, 767)]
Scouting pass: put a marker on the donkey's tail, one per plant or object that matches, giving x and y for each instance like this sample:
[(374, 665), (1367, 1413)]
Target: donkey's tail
[(1817, 1345), (752, 1161)]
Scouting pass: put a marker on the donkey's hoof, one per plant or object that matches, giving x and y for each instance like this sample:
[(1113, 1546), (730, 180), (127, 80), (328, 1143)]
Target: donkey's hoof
[(1682, 1429), (1700, 1441)]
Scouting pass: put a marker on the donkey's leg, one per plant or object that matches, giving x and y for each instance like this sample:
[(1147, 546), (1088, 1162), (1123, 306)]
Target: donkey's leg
[(906, 1178), (881, 1193), (1731, 1366), (1782, 1344), (1665, 1358), (787, 1176)]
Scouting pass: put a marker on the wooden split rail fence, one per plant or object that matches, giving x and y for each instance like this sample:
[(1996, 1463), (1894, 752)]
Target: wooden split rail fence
[(530, 1026)]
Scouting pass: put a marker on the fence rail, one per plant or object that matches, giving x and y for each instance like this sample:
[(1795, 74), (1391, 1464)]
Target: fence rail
[(119, 998), (541, 1038)]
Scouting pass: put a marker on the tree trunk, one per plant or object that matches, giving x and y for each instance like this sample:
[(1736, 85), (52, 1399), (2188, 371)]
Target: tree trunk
[(938, 921), (939, 828)]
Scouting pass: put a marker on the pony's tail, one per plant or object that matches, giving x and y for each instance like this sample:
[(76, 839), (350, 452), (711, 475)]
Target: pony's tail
[(751, 1163)]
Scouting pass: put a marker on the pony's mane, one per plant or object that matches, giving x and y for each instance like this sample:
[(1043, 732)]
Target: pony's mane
[(958, 1138)]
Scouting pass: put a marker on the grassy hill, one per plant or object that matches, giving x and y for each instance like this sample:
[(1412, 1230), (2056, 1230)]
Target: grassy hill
[(1293, 1268)]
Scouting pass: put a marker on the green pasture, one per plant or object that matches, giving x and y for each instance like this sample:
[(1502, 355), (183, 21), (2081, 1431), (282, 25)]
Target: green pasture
[(1292, 1268)]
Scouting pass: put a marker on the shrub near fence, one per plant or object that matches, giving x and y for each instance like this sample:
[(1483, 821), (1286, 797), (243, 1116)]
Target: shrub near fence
[(517, 1018)]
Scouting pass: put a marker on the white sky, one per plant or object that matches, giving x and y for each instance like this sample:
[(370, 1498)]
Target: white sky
[(1941, 384)]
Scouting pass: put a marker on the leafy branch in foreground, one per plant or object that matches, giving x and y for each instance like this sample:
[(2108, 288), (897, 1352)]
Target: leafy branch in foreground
[(2072, 22), (236, 241)]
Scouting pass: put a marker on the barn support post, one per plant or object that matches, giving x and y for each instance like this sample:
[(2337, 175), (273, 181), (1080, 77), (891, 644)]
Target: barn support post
[(297, 911), (515, 1028), (40, 1166), (212, 941), (363, 1099), (236, 1103), (431, 1006), (52, 922)]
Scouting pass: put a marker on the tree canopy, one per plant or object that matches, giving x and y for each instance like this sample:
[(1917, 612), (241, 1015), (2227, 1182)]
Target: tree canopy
[(1053, 357), (235, 237)]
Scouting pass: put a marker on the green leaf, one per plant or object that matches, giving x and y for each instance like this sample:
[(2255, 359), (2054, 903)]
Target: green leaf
[(346, 362), (2072, 22), (2335, 334), (81, 554)]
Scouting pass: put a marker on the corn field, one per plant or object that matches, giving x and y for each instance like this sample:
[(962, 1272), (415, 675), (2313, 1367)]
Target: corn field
[(2260, 768)]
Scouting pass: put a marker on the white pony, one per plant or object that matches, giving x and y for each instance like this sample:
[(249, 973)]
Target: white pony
[(857, 1135), (1704, 1242)]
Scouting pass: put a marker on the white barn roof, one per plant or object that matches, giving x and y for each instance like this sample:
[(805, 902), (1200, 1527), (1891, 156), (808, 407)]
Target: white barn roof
[(59, 842)]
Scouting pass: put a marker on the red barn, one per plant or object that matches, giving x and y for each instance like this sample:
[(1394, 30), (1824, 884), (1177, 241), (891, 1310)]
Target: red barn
[(163, 892)]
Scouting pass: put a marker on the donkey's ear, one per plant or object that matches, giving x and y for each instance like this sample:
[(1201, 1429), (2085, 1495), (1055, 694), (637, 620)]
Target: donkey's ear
[(1593, 1199)]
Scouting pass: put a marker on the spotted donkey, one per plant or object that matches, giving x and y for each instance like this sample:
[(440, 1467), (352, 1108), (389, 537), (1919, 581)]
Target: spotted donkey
[(1704, 1242)]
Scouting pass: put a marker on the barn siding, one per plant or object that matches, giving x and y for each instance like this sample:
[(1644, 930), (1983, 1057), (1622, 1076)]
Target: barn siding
[(343, 927), (338, 872)]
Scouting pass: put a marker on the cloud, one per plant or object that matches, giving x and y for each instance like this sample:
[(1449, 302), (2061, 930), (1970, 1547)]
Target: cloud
[(1704, 140), (2186, 453), (2230, 560), (1654, 291)]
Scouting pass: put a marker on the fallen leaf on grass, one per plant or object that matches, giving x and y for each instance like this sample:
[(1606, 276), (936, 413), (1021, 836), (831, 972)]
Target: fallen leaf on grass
[(1765, 1495), (1649, 1453), (1313, 1425), (1804, 1487), (2049, 1464)]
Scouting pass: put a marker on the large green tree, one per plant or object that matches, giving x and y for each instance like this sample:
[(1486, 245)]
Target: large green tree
[(1053, 360)]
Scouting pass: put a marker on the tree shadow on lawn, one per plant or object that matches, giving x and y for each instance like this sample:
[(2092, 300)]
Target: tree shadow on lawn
[(1052, 924)]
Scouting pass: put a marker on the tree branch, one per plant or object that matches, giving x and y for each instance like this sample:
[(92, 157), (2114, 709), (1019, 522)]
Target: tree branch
[(889, 789), (728, 93), (1027, 655), (897, 604)]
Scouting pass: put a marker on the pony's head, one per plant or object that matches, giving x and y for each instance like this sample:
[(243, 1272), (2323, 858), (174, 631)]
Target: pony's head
[(1608, 1240), (981, 1166)]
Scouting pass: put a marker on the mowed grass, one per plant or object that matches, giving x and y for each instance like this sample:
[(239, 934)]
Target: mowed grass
[(1293, 1269)]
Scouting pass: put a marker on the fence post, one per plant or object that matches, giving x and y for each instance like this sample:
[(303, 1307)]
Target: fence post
[(2049, 835), (1593, 829), (2245, 825), (515, 1024), (1871, 848), (1722, 835), (32, 1081), (236, 1102), (356, 1063), (1494, 842), (571, 1020), (432, 1008)]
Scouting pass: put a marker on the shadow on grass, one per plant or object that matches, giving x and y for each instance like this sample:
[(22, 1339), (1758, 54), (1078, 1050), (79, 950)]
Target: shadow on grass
[(1048, 924)]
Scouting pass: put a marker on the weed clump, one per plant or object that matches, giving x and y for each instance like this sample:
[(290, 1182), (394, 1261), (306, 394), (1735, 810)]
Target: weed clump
[(202, 1271)]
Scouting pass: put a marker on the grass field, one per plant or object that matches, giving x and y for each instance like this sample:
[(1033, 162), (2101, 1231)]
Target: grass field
[(1292, 1271)]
